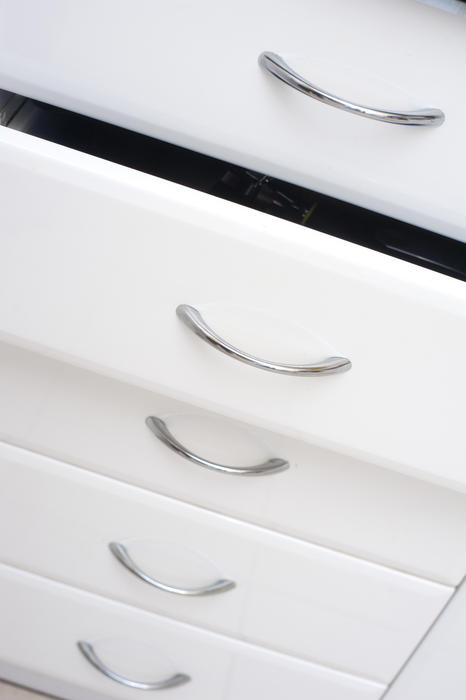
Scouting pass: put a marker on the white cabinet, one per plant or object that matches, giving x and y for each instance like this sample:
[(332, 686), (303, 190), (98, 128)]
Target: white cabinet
[(188, 73), (42, 621), (437, 669), (324, 497), (96, 258), (297, 598), (332, 570)]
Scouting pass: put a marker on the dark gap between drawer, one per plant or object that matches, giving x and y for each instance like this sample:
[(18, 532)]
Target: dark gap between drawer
[(236, 184)]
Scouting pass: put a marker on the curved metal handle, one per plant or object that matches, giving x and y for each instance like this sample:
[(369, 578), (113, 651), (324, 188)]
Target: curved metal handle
[(193, 319), (274, 64), (160, 430), (91, 656), (123, 556)]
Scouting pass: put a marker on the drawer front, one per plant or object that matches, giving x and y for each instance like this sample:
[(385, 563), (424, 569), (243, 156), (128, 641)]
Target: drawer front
[(99, 423), (42, 622), (95, 258), (294, 597), (216, 99)]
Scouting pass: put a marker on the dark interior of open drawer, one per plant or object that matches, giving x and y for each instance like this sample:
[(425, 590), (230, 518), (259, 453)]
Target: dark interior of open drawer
[(246, 187)]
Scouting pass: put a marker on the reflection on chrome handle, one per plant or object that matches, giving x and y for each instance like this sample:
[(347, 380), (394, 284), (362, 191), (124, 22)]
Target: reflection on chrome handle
[(122, 555), (274, 64), (193, 319), (91, 656), (160, 429)]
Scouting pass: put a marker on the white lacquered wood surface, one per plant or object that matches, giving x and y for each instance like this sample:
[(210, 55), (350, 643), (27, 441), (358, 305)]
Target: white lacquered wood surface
[(183, 77), (294, 597), (88, 259), (324, 497), (42, 620), (437, 668), (16, 692)]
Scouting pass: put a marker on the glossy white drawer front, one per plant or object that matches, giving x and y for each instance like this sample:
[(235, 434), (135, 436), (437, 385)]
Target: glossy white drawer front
[(184, 77), (291, 596), (43, 620), (99, 423), (95, 258)]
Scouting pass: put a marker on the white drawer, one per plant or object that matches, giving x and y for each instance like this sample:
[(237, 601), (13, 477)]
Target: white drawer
[(184, 77), (291, 596), (42, 621), (95, 259), (99, 423)]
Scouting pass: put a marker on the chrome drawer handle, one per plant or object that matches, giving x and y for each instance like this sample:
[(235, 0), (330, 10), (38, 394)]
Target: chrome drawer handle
[(193, 319), (160, 430), (274, 64), (123, 556), (91, 656)]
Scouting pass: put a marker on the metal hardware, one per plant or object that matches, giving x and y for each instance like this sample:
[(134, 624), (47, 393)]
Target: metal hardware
[(160, 430), (274, 64), (193, 319), (88, 651), (123, 556)]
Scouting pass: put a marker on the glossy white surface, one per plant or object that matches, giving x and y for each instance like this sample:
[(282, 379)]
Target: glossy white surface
[(42, 620), (182, 75), (98, 423), (16, 692), (96, 257), (294, 597), (437, 669)]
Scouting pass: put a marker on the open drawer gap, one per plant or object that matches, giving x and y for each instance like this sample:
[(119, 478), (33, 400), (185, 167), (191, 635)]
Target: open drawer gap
[(234, 183)]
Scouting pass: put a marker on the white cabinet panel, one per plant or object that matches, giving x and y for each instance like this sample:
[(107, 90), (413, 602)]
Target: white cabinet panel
[(300, 599), (95, 258), (43, 620), (189, 74), (437, 669), (343, 503)]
